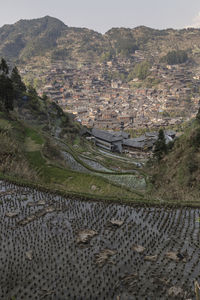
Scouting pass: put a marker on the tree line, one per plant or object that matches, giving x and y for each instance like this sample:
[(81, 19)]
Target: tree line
[(13, 89), (175, 57), (11, 86)]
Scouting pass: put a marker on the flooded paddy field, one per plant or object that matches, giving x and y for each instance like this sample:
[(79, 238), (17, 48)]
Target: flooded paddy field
[(58, 248)]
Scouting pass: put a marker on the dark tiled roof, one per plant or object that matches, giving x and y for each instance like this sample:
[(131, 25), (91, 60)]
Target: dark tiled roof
[(105, 135), (170, 133), (133, 143), (151, 134), (122, 134), (141, 138)]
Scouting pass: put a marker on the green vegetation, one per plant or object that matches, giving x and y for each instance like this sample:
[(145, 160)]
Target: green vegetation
[(177, 175), (34, 157), (49, 39), (152, 82), (106, 56), (31, 37), (6, 88), (39, 150), (33, 134), (126, 46), (116, 76), (29, 152), (160, 146), (195, 138), (141, 71), (198, 116), (123, 42), (60, 54), (18, 85), (175, 57)]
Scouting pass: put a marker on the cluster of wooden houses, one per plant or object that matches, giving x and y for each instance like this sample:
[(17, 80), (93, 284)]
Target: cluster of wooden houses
[(99, 99), (120, 141)]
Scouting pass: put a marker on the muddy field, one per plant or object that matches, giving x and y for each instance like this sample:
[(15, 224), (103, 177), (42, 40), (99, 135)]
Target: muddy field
[(55, 248)]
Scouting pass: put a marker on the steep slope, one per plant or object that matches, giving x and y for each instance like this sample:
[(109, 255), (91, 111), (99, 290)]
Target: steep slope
[(48, 36), (30, 37), (176, 177), (39, 146), (31, 155), (80, 44)]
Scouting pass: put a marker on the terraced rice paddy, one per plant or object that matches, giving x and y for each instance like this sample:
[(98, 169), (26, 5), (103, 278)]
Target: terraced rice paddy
[(132, 181), (57, 248)]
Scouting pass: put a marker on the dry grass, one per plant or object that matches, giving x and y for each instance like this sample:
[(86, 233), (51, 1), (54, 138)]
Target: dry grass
[(19, 168), (31, 145), (12, 161), (176, 177)]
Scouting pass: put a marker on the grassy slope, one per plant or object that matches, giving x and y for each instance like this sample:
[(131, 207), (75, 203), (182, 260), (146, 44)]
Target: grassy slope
[(29, 155), (32, 164), (176, 178)]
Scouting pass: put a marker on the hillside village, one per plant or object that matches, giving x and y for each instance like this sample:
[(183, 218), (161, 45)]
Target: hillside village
[(88, 73), (99, 100)]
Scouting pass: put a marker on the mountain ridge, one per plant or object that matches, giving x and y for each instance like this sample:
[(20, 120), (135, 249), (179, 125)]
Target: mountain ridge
[(51, 38)]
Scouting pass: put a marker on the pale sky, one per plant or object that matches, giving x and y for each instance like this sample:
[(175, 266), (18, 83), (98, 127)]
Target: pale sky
[(101, 15)]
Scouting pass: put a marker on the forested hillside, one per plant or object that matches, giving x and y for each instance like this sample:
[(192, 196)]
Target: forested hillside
[(50, 38)]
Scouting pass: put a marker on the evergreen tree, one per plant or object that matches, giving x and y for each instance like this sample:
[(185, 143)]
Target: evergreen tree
[(6, 93), (33, 98), (160, 148), (6, 87), (44, 97), (18, 85), (4, 69), (32, 93)]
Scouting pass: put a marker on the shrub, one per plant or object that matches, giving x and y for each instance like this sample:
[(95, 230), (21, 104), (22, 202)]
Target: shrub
[(192, 166), (198, 116), (195, 138), (170, 145)]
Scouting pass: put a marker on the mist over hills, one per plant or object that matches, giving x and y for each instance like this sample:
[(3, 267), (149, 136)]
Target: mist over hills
[(53, 39)]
